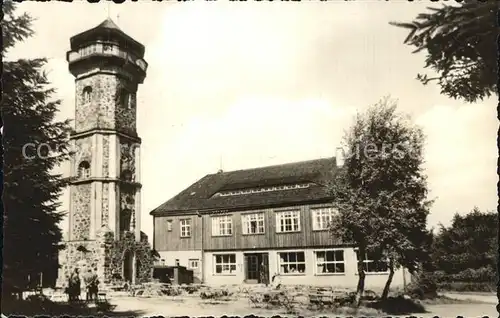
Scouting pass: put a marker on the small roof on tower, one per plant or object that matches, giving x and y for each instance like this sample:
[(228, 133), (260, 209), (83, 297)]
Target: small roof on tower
[(108, 24), (107, 28)]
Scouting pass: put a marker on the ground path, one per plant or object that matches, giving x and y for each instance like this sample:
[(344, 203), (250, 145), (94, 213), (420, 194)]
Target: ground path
[(192, 306)]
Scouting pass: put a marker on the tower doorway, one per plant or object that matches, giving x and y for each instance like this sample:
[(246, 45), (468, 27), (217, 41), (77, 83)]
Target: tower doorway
[(128, 260)]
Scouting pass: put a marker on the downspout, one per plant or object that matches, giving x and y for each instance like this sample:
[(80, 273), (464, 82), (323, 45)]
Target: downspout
[(202, 253)]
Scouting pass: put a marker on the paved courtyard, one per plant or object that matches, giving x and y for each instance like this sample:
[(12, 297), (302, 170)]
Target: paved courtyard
[(193, 306)]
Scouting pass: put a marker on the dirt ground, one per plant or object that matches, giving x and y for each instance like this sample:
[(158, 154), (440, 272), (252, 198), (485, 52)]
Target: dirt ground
[(193, 306)]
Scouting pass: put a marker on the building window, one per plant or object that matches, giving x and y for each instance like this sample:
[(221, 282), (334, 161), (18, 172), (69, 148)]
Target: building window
[(169, 225), (322, 218), (222, 225), (225, 264), (330, 262), (371, 265), (193, 263), (87, 95), (292, 263), (185, 227), (84, 170), (253, 223), (287, 221)]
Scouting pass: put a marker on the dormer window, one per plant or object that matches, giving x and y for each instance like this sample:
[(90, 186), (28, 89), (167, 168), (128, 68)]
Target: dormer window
[(84, 170), (87, 95), (283, 187)]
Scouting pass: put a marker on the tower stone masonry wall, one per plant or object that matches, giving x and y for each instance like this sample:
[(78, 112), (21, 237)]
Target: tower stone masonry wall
[(105, 156), (80, 198), (105, 108), (105, 204)]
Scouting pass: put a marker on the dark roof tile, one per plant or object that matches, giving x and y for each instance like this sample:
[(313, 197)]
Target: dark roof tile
[(200, 195)]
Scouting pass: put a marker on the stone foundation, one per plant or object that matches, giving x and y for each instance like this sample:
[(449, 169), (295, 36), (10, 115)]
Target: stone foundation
[(105, 257)]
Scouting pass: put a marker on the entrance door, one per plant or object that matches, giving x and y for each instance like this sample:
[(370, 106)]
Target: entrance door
[(127, 266), (252, 273)]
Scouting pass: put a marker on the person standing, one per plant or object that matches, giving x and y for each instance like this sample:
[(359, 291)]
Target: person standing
[(263, 274), (74, 285), (91, 283)]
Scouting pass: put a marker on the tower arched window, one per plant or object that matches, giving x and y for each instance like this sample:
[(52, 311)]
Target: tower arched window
[(87, 95), (125, 220), (84, 170)]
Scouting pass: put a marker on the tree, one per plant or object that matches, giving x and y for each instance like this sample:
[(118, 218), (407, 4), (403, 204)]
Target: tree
[(35, 143), (461, 45), (466, 251), (381, 191)]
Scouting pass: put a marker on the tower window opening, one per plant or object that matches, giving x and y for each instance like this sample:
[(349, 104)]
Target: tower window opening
[(87, 95), (127, 175), (125, 220), (125, 99), (84, 169)]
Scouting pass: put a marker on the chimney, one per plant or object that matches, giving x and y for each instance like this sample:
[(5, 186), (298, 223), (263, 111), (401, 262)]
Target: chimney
[(339, 156)]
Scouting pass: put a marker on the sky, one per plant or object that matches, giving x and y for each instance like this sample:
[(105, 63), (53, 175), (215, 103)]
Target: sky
[(247, 84)]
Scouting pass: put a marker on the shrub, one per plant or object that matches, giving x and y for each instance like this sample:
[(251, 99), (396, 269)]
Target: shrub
[(423, 286), (468, 286), (482, 274)]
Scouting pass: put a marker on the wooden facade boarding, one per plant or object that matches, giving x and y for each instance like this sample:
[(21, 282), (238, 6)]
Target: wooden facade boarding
[(247, 226)]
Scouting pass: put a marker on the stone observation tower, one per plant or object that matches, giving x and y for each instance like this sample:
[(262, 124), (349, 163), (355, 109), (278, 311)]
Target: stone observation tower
[(104, 214)]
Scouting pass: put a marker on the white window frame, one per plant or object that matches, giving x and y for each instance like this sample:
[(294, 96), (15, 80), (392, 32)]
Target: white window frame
[(326, 262), (258, 218), (226, 263), (367, 261), (185, 227), (288, 262), (322, 217), (190, 262), (282, 216), (227, 225), (169, 225)]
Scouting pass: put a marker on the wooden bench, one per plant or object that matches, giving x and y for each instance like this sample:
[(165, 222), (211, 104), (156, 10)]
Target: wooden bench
[(319, 298)]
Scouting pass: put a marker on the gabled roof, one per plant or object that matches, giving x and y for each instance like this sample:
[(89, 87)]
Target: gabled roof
[(200, 195)]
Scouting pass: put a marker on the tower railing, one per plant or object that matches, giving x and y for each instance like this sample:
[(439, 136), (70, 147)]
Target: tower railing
[(104, 49)]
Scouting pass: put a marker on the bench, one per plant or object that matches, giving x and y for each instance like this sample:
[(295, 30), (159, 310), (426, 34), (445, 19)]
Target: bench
[(318, 298)]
